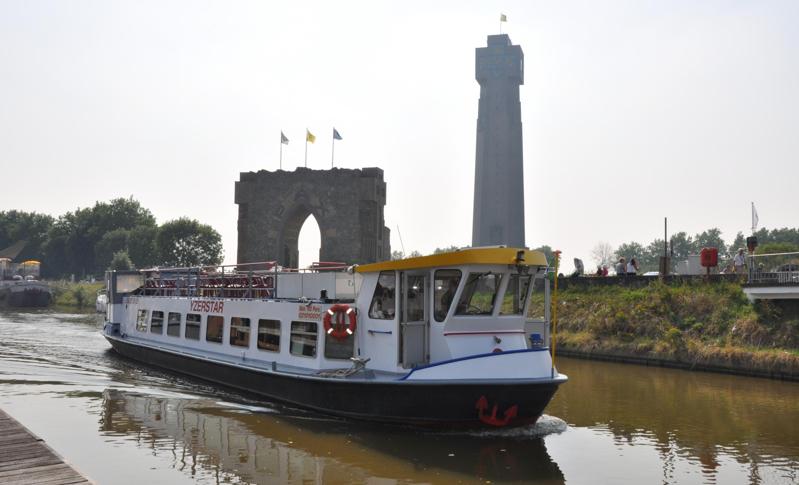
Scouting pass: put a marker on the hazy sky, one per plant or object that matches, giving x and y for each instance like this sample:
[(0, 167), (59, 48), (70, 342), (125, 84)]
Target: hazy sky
[(632, 110)]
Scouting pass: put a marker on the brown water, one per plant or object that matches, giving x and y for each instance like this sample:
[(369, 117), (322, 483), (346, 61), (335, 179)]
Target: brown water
[(119, 422)]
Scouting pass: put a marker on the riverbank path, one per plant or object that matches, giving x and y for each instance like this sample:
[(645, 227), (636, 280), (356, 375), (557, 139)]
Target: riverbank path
[(25, 458)]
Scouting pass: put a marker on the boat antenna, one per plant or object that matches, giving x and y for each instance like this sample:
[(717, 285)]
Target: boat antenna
[(401, 243)]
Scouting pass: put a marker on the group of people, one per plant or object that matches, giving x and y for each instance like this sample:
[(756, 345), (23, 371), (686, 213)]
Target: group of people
[(623, 268), (628, 268)]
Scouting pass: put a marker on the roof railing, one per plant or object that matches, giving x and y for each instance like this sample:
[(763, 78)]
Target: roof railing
[(776, 268)]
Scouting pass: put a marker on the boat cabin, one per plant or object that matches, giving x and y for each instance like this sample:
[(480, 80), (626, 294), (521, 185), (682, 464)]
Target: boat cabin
[(399, 315)]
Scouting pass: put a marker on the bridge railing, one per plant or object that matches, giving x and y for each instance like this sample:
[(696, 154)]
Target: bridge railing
[(777, 269)]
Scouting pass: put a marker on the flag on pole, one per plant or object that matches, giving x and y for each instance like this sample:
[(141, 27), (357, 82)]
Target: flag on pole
[(755, 219), (283, 139), (503, 17), (309, 137), (336, 135)]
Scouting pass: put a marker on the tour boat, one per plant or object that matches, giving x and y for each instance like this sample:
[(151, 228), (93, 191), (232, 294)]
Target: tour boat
[(442, 340)]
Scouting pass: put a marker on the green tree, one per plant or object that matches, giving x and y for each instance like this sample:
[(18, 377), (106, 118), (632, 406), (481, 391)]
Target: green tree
[(112, 243), (777, 247), (25, 226), (630, 250), (120, 262), (710, 239), (447, 249), (186, 242), (141, 246), (681, 245)]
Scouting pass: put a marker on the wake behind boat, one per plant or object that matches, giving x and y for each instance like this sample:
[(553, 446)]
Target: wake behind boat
[(438, 340)]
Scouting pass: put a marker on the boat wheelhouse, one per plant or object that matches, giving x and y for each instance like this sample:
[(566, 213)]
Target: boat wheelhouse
[(442, 340)]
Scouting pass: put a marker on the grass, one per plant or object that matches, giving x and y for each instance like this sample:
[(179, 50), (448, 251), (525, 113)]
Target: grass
[(80, 295), (711, 324)]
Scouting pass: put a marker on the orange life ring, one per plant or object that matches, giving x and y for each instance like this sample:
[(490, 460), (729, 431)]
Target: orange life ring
[(338, 330)]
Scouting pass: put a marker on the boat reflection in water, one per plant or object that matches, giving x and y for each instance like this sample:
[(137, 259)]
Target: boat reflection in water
[(207, 439)]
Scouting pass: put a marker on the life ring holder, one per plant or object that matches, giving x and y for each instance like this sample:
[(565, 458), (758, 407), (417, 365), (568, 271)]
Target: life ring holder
[(340, 332)]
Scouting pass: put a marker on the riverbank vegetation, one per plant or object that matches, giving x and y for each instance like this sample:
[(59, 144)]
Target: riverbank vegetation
[(689, 324), (84, 242), (79, 296)]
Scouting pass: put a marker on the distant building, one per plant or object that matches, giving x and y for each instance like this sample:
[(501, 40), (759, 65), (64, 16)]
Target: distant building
[(499, 173)]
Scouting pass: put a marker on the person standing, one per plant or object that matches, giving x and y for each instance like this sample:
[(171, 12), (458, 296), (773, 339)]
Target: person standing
[(739, 262), (621, 267), (632, 267)]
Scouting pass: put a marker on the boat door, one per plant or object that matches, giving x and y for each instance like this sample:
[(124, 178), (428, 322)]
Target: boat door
[(414, 319)]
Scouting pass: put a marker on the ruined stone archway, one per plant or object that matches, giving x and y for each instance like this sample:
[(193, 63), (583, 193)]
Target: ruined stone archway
[(347, 205)]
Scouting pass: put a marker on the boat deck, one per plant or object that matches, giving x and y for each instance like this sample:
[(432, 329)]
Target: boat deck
[(25, 459)]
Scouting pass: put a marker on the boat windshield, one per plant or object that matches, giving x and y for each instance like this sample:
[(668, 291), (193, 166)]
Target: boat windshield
[(479, 294), (515, 296)]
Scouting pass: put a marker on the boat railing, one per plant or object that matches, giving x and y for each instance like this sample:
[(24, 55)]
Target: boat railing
[(773, 269), (245, 280)]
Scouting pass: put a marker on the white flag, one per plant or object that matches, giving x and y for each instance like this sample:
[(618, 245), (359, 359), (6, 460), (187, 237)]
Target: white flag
[(754, 218)]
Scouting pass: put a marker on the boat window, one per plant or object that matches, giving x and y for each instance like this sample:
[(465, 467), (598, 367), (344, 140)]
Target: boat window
[(193, 326), (445, 285), (269, 335), (240, 332), (514, 299), (538, 303), (173, 324), (303, 338), (414, 307), (157, 322), (479, 294), (384, 300), (141, 321), (214, 327)]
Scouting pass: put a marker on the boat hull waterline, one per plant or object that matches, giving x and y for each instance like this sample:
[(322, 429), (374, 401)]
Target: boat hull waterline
[(447, 404)]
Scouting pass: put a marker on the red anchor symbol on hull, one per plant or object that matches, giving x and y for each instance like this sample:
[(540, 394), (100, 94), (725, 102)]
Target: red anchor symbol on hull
[(493, 420)]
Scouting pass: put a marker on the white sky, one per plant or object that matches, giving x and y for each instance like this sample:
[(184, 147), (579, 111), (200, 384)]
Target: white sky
[(632, 110)]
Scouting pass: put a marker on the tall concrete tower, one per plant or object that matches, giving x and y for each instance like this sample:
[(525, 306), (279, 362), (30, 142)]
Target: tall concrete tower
[(499, 172)]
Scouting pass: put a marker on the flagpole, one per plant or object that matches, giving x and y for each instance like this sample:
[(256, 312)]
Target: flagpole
[(333, 153), (306, 151), (281, 152)]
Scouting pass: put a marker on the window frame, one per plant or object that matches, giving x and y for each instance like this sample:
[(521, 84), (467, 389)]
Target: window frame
[(221, 339), (191, 323), (232, 326), (315, 337), (279, 328), (152, 321), (170, 324)]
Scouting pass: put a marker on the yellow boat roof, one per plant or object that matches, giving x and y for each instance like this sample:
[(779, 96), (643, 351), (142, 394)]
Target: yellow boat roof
[(493, 256)]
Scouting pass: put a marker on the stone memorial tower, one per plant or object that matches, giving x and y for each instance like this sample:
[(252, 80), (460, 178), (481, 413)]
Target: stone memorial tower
[(498, 216)]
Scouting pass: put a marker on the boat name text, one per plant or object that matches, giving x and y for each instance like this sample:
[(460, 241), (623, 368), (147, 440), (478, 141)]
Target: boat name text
[(207, 306)]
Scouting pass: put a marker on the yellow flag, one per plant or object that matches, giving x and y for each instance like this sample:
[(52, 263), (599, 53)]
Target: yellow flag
[(310, 137), (503, 17)]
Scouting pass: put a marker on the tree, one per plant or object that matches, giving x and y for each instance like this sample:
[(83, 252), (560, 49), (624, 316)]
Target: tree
[(776, 248), (120, 261), (112, 243), (31, 227), (710, 239), (630, 250), (186, 242), (141, 246), (603, 254), (681, 245), (447, 249), (397, 255)]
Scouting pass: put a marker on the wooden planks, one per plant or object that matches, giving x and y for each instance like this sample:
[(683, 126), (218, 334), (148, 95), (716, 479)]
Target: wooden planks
[(26, 459)]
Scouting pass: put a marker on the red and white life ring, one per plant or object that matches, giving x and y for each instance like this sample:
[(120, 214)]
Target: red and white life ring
[(338, 329)]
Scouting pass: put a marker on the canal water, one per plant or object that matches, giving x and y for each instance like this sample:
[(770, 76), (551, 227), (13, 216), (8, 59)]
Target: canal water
[(120, 422)]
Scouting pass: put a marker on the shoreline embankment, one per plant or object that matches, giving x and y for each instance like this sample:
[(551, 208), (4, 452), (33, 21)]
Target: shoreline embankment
[(692, 324)]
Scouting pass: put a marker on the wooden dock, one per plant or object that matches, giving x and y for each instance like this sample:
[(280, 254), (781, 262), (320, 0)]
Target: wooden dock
[(26, 459)]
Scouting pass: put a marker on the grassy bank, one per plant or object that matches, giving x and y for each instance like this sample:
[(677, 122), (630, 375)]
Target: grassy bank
[(75, 296), (696, 325)]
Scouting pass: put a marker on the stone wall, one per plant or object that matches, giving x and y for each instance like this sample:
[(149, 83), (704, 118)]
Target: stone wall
[(347, 204)]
